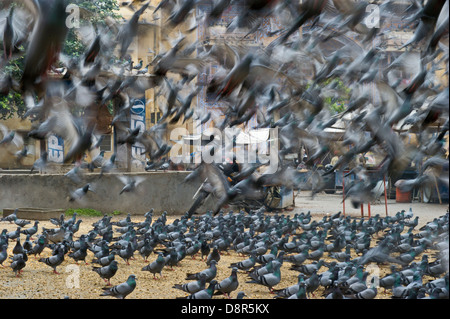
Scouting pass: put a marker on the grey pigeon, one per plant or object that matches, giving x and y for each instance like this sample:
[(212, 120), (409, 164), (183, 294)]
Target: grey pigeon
[(369, 293), (301, 292), (40, 163), (228, 285), (32, 230), (240, 295), (193, 286), (75, 174), (18, 248), (107, 272), (56, 235), (245, 264), (126, 253), (206, 293), (11, 217), (79, 255), (122, 290), (27, 244), (146, 249), (109, 165), (38, 247), (13, 234), (21, 222), (18, 264), (210, 273), (156, 266), (288, 291), (3, 254), (55, 260), (214, 255), (312, 283), (309, 269), (297, 259), (79, 193), (105, 260), (269, 280)]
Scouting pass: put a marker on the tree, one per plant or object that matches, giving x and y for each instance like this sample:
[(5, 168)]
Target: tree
[(94, 11)]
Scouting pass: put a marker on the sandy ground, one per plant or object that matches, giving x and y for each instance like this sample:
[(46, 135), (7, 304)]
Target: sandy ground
[(324, 204), (80, 282)]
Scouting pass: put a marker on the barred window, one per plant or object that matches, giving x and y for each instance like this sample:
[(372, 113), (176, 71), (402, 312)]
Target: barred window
[(105, 144)]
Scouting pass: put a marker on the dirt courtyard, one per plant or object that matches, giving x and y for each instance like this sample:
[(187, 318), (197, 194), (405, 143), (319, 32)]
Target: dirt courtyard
[(78, 281)]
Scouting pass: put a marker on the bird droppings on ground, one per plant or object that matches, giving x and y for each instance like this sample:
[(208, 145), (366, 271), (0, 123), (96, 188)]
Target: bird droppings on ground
[(285, 235)]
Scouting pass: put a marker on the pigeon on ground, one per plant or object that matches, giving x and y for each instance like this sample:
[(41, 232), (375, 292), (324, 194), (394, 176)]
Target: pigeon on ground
[(18, 248), (210, 273), (79, 255), (32, 230), (11, 217), (38, 247), (3, 254), (107, 272), (21, 222), (27, 244), (297, 259), (214, 255), (193, 286), (205, 249), (269, 280), (56, 235), (369, 293), (288, 291), (126, 253), (309, 269), (245, 264), (105, 260), (18, 264), (14, 234), (241, 295), (146, 249), (206, 293), (156, 266), (228, 285), (301, 292), (122, 290), (55, 260)]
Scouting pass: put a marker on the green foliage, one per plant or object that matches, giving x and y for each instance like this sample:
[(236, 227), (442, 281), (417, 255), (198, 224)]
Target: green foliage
[(94, 11), (337, 105), (12, 103), (91, 11), (88, 212)]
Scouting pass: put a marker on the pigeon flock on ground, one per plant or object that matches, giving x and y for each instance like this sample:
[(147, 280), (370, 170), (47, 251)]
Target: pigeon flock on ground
[(336, 257), (285, 85)]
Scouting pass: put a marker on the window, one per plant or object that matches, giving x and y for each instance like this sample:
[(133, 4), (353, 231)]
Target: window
[(105, 144), (155, 117)]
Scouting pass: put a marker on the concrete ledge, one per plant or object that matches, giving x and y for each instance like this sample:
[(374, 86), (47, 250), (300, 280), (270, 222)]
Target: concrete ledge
[(162, 191), (31, 213)]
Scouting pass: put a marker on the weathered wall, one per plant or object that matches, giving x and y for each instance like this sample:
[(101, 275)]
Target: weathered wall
[(163, 191)]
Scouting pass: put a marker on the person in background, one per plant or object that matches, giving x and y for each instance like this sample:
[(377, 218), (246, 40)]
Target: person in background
[(334, 159)]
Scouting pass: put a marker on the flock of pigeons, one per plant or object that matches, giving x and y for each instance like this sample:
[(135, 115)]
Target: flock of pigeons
[(386, 102), (342, 256)]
